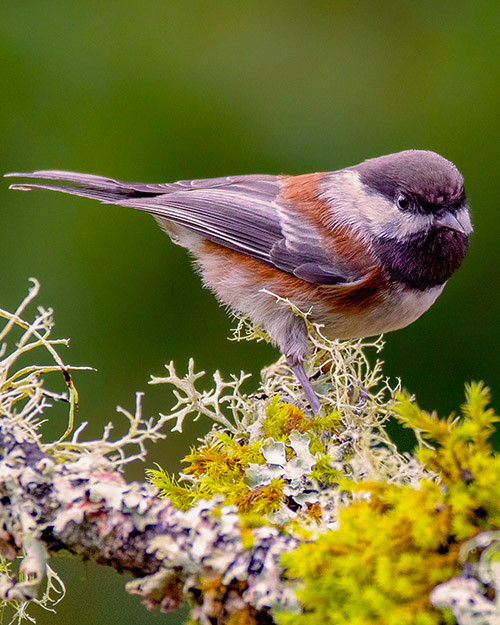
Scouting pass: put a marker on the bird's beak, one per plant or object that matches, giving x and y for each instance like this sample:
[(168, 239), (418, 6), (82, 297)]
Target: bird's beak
[(460, 222)]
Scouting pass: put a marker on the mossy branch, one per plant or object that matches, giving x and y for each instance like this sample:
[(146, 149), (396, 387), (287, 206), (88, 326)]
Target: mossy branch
[(278, 516)]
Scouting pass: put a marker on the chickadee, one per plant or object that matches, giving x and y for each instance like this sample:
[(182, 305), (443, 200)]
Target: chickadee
[(369, 248)]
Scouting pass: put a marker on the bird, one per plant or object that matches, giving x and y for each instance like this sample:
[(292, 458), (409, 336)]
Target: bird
[(366, 249)]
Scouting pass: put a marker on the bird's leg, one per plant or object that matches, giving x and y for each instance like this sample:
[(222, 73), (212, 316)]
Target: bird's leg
[(294, 345), (312, 398)]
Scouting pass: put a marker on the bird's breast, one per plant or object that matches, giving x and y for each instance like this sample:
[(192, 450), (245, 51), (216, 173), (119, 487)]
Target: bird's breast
[(399, 307)]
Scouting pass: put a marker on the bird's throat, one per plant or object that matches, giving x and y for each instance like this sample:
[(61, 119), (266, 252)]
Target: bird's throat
[(425, 260)]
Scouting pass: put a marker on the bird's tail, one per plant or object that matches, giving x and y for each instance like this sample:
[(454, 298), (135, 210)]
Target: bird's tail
[(106, 190)]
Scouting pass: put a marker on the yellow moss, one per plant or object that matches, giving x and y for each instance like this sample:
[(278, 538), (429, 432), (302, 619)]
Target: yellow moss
[(182, 497), (262, 499), (282, 419), (374, 565), (324, 472), (394, 546), (224, 459)]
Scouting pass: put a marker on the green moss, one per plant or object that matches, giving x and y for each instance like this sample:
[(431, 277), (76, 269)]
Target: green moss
[(325, 473), (182, 497), (281, 419), (392, 547)]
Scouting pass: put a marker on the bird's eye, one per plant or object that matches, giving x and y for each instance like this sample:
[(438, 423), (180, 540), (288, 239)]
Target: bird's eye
[(402, 202)]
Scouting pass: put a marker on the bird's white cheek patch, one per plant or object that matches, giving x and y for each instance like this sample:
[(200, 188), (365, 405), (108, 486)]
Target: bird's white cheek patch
[(368, 213), (401, 225)]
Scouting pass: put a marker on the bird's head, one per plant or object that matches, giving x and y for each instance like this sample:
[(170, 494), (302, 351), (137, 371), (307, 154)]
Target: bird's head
[(410, 207)]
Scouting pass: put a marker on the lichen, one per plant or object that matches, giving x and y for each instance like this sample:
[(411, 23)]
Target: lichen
[(278, 515)]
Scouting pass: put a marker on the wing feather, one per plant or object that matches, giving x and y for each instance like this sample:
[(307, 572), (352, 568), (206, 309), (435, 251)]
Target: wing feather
[(243, 213)]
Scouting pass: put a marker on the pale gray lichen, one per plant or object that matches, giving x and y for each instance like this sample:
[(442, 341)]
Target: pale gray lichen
[(86, 507), (467, 596), (211, 544)]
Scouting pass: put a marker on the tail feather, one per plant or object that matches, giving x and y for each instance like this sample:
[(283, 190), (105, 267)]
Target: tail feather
[(87, 185), (95, 194), (87, 180)]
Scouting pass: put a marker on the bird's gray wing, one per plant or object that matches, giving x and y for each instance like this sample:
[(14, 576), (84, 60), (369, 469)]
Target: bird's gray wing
[(242, 213)]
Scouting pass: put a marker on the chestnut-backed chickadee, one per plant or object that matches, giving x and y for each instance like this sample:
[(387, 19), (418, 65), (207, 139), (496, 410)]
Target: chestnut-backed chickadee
[(368, 248)]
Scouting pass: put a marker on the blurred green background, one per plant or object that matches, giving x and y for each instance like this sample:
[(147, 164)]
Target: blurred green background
[(159, 91)]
